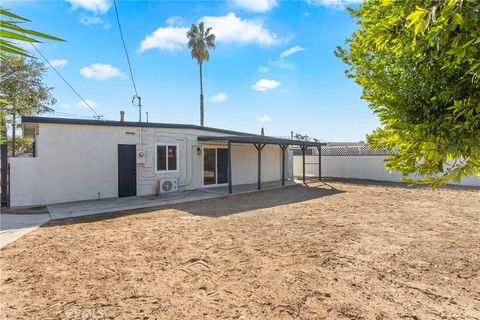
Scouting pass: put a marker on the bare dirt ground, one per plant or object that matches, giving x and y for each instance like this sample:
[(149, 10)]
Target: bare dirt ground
[(339, 251)]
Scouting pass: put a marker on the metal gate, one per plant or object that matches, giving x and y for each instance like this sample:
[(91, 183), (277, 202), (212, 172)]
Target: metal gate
[(5, 181)]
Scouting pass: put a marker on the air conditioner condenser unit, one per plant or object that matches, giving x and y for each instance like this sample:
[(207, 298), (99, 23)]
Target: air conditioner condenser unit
[(167, 185)]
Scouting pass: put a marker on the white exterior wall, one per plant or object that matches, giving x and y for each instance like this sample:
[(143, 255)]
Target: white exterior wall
[(355, 167), (79, 162)]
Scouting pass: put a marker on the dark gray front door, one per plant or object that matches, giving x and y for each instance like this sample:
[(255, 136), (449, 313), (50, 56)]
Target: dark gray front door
[(127, 170)]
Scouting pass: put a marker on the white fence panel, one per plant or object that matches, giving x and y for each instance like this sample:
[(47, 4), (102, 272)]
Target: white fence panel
[(355, 167)]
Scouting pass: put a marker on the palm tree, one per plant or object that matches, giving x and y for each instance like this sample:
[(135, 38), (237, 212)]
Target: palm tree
[(200, 40)]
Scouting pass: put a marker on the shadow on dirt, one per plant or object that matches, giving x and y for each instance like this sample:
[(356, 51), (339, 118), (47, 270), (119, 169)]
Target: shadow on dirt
[(226, 205)]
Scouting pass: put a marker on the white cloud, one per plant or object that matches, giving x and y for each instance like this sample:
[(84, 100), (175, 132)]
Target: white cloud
[(168, 38), (232, 29), (220, 97), (59, 63), (95, 6), (101, 71), (89, 20), (264, 119), (282, 62), (227, 29), (265, 84), (175, 21), (262, 69), (25, 45), (255, 5), (82, 104), (289, 52), (93, 20), (335, 4)]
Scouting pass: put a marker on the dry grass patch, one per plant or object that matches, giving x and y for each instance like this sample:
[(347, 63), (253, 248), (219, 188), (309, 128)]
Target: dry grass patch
[(341, 251)]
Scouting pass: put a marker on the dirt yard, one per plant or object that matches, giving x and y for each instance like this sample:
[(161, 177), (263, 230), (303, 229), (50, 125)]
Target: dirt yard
[(340, 250)]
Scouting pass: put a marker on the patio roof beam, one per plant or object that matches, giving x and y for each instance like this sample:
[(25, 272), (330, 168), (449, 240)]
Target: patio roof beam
[(259, 140), (259, 147), (283, 147)]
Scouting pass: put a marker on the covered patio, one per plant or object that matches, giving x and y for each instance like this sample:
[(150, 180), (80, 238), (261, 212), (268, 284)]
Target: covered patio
[(250, 187), (259, 142)]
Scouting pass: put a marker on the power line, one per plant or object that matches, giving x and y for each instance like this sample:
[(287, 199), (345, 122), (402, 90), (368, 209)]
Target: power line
[(60, 113), (125, 47), (98, 116), (58, 73)]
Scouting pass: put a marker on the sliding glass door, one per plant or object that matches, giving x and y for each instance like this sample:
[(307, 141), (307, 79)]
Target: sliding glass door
[(209, 166), (215, 166)]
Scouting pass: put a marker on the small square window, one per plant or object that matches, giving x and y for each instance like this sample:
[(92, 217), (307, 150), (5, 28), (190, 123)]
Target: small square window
[(166, 157)]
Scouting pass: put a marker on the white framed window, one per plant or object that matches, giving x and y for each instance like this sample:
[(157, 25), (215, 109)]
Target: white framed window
[(166, 157)]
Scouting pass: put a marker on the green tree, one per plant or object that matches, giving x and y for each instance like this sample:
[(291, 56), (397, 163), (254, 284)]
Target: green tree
[(418, 62), (22, 85), (10, 31), (299, 136), (199, 41)]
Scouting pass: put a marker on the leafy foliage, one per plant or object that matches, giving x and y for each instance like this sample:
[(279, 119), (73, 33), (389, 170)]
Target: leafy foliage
[(10, 31), (418, 62), (199, 41), (22, 86), (22, 145), (299, 136)]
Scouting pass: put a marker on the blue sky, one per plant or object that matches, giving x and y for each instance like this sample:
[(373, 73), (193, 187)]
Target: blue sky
[(273, 66)]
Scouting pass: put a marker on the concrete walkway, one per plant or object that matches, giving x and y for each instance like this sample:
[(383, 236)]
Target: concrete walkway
[(251, 187), (94, 207), (13, 226)]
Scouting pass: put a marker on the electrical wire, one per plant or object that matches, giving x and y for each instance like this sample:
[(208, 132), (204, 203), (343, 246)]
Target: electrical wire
[(98, 116), (60, 113), (125, 48)]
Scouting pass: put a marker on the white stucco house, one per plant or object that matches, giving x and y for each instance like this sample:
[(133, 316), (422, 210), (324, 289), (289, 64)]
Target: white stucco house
[(89, 159)]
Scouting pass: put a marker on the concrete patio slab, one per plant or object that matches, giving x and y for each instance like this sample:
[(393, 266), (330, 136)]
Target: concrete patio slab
[(251, 187), (13, 226), (94, 207)]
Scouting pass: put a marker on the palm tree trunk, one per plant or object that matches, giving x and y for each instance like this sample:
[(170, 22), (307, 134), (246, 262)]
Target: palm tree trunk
[(201, 96)]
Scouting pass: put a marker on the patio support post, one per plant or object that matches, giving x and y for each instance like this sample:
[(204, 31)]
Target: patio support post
[(319, 148), (283, 147), (259, 148), (304, 148), (229, 167)]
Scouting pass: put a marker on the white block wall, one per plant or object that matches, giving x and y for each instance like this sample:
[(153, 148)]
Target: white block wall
[(355, 167), (79, 162)]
